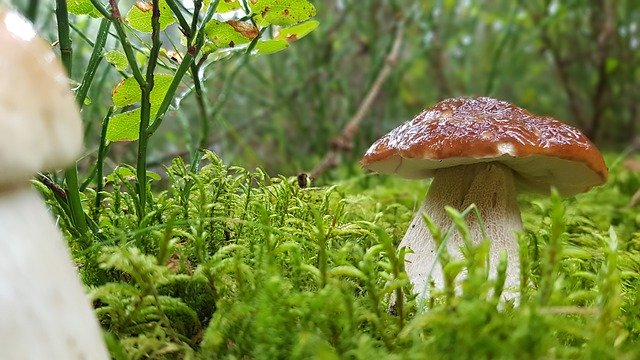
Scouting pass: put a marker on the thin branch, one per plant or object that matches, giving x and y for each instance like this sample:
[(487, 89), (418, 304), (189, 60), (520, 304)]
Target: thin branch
[(62, 16), (344, 141), (102, 149), (192, 52), (145, 109), (94, 61), (184, 25)]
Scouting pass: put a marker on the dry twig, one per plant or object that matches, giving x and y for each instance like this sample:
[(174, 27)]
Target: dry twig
[(344, 141)]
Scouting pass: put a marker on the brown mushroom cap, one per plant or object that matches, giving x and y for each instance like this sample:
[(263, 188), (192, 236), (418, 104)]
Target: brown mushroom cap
[(542, 151), (40, 127)]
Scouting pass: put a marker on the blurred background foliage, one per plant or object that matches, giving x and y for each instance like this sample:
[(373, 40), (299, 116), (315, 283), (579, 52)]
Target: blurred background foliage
[(575, 60)]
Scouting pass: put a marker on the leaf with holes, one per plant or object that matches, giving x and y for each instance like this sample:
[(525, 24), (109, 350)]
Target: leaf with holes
[(282, 12), (139, 17), (299, 31), (117, 58), (83, 7)]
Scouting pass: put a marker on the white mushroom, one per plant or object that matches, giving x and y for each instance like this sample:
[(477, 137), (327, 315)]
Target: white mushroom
[(44, 311), (479, 151)]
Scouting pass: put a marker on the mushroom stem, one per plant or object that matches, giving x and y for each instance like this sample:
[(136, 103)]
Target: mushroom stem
[(44, 310), (490, 186)]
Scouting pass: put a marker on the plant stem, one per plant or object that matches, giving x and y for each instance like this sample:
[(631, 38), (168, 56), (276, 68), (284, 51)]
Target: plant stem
[(94, 61), (202, 107), (184, 25), (32, 10), (197, 5), (62, 16), (145, 109), (166, 101), (71, 178), (71, 173), (101, 9), (100, 161), (116, 19)]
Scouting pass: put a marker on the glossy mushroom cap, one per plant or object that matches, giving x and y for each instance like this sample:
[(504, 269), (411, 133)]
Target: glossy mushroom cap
[(542, 151), (40, 128)]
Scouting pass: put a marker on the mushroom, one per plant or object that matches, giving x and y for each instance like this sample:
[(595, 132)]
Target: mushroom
[(480, 151), (44, 311)]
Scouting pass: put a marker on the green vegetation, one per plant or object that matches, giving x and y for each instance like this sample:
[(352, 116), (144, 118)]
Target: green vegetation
[(230, 263), (184, 256)]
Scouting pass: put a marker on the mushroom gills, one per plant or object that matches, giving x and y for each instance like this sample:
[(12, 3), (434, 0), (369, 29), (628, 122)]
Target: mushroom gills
[(490, 186)]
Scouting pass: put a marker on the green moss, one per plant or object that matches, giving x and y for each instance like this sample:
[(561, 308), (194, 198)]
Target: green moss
[(233, 264)]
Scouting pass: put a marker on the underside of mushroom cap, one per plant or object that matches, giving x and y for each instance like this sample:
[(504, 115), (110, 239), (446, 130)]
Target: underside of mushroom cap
[(542, 151), (40, 128)]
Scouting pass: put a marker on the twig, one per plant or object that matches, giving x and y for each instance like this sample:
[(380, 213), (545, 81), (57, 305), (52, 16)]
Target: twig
[(344, 141), (145, 108)]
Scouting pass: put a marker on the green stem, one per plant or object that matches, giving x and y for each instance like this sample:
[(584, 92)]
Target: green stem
[(71, 173), (166, 101), (184, 25), (145, 109), (100, 162), (197, 5), (62, 16), (94, 61), (71, 177), (202, 107), (81, 34), (192, 52), (101, 9), (32, 10), (116, 19)]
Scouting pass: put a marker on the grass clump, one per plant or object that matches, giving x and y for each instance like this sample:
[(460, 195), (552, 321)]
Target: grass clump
[(234, 264)]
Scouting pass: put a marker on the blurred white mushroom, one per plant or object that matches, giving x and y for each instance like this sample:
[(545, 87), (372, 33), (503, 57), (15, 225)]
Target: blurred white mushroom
[(44, 311)]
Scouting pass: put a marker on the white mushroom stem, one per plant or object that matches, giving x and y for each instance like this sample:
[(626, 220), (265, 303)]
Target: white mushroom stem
[(491, 187), (44, 310)]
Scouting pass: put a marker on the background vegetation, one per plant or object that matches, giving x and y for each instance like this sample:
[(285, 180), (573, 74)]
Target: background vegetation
[(194, 258), (574, 60)]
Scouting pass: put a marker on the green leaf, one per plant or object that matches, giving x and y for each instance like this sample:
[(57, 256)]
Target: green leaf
[(117, 58), (128, 173), (125, 126), (83, 7), (153, 175), (223, 35), (127, 92), (282, 12), (139, 17), (121, 171), (271, 46), (297, 32)]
